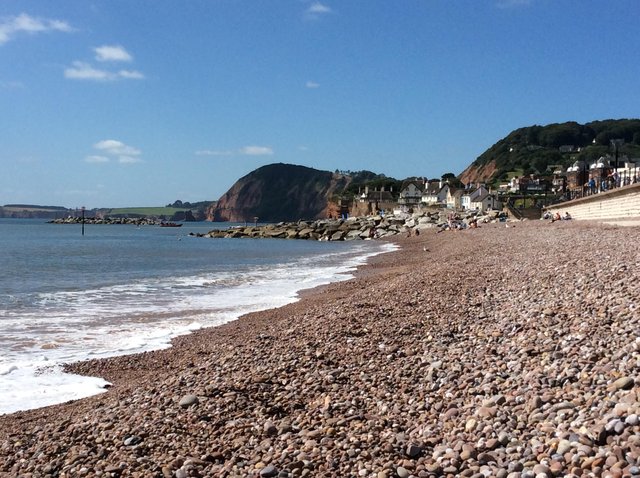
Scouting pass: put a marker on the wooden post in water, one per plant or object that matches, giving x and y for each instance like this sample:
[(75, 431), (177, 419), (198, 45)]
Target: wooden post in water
[(82, 210)]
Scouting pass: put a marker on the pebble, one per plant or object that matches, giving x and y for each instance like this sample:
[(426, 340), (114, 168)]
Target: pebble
[(268, 471), (391, 374)]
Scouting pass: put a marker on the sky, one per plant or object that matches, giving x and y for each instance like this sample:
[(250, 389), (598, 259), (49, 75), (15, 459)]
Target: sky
[(114, 103)]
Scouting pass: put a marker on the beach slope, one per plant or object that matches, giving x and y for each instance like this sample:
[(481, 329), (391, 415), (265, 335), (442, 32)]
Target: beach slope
[(498, 351)]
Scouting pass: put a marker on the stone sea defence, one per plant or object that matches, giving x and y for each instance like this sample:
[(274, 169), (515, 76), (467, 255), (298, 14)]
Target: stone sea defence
[(142, 221), (508, 352), (355, 228)]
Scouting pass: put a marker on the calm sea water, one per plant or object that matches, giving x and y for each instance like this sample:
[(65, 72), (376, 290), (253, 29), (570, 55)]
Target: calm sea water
[(123, 289)]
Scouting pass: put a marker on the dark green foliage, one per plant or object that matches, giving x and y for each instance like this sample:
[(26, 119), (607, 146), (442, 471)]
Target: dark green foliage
[(533, 149), (190, 205), (452, 180), (362, 179)]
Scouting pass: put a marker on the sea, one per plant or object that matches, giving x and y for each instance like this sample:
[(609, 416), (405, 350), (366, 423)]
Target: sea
[(122, 289)]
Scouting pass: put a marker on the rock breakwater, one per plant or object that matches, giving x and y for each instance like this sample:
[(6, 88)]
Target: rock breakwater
[(141, 221), (355, 228), (507, 352)]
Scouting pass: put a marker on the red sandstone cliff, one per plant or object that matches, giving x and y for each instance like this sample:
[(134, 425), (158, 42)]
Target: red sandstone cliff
[(280, 192)]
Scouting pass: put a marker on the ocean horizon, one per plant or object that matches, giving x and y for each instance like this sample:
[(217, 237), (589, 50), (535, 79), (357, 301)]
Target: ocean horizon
[(121, 289)]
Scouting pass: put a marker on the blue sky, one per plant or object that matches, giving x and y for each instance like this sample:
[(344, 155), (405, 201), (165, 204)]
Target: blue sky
[(109, 103)]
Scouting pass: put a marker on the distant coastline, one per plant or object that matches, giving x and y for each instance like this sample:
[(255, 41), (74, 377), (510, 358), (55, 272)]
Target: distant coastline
[(110, 215)]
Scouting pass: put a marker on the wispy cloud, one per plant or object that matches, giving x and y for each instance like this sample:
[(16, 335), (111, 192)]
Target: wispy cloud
[(112, 146), (96, 159), (130, 75), (12, 26), (256, 151), (312, 84), (11, 85), (316, 10), (81, 70), (112, 53), (84, 71), (244, 151), (112, 149), (210, 152)]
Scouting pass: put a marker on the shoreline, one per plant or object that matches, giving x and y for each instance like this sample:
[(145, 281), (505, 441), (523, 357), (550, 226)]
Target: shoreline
[(383, 373), (133, 323)]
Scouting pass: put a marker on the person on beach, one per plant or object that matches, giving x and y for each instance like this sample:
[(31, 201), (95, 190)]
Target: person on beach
[(567, 216)]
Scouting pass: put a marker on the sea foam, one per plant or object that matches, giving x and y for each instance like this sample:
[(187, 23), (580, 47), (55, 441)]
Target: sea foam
[(141, 315)]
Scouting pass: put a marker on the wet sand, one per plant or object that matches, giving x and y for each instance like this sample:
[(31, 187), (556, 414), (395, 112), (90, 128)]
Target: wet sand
[(499, 351)]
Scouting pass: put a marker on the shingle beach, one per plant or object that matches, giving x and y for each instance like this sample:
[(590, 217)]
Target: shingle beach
[(511, 350)]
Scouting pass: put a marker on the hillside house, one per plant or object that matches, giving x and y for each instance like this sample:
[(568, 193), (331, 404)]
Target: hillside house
[(577, 177)]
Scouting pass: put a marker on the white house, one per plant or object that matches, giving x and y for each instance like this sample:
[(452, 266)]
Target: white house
[(411, 193), (485, 201), (435, 193), (453, 198), (470, 195)]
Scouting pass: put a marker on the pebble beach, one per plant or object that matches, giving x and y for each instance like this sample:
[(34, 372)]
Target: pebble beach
[(509, 351)]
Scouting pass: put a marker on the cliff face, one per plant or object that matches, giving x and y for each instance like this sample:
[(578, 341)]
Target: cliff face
[(478, 173), (280, 192)]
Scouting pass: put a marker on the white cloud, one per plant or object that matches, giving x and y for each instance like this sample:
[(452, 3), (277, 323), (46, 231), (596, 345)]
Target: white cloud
[(81, 70), (23, 23), (209, 152), (84, 71), (130, 75), (318, 8), (256, 151), (112, 53), (96, 159), (244, 151), (312, 84), (116, 148)]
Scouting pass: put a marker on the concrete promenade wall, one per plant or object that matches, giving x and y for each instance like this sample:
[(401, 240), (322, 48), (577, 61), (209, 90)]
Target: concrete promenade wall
[(622, 202)]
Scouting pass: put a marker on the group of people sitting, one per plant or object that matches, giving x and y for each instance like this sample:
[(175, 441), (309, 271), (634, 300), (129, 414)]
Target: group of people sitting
[(556, 217)]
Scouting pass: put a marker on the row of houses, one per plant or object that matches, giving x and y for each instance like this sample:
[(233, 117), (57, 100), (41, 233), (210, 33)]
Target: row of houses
[(420, 192), (578, 179)]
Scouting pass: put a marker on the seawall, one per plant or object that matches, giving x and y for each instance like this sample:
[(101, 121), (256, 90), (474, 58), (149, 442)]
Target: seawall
[(618, 203)]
